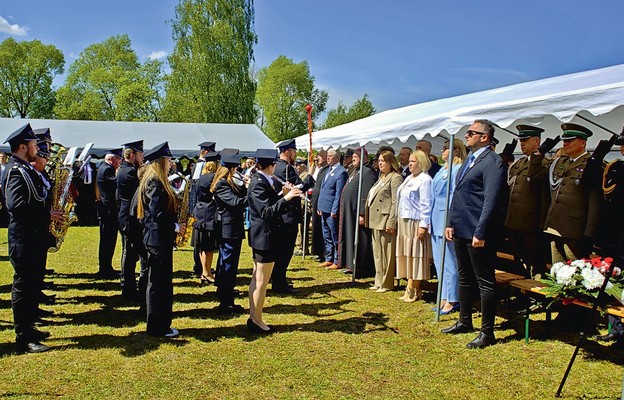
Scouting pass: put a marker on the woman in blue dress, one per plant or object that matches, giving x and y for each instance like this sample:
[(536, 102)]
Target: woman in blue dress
[(450, 280)]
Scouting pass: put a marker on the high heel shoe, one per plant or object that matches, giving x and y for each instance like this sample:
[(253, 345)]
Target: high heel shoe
[(415, 294), (205, 280), (453, 309), (254, 328), (406, 294)]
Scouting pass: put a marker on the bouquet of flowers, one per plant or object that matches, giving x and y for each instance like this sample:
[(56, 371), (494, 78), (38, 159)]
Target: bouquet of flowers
[(582, 279)]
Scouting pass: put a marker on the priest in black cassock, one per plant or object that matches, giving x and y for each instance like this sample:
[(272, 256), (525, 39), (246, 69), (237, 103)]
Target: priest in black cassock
[(365, 266)]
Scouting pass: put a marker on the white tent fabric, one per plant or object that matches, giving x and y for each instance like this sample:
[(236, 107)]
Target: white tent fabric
[(182, 137), (597, 94)]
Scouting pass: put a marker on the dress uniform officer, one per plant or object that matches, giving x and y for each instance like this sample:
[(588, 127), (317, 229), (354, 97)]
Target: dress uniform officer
[(108, 212), (230, 195), (156, 208), (572, 217), (528, 199), (25, 196), (290, 220), (204, 148), (127, 184)]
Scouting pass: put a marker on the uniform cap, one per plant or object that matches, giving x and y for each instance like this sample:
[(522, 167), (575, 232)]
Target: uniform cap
[(287, 144), (212, 156), (527, 131), (44, 150), (136, 146), (22, 135), (118, 152), (230, 160), (162, 150), (265, 155), (573, 131), (43, 133), (209, 146)]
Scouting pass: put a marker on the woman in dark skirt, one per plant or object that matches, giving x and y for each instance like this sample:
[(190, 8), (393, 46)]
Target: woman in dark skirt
[(204, 237), (230, 194), (157, 209), (265, 206)]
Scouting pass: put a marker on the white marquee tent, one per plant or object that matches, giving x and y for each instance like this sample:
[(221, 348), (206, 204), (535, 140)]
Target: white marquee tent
[(597, 95), (183, 138)]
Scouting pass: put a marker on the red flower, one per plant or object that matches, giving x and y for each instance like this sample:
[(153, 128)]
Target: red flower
[(596, 262), (608, 260)]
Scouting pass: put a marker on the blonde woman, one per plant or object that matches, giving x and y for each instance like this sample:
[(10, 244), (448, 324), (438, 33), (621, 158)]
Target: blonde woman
[(450, 280), (381, 218), (156, 209), (414, 219)]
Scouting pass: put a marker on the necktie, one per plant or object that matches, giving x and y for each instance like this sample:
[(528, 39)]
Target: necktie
[(466, 167)]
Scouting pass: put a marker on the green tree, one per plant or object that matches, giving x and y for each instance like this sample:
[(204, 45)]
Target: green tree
[(26, 73), (284, 89), (211, 77), (362, 108), (107, 82)]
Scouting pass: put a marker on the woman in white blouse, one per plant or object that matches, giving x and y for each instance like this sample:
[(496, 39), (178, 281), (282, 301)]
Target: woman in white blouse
[(413, 251)]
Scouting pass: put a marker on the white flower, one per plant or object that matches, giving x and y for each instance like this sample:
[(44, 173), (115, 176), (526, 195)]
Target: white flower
[(565, 276), (556, 267), (592, 278), (580, 264)]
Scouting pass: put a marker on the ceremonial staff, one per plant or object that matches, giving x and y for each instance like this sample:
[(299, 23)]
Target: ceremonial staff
[(304, 239), (308, 108)]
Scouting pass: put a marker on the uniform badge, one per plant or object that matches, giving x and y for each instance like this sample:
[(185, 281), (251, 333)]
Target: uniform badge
[(577, 181)]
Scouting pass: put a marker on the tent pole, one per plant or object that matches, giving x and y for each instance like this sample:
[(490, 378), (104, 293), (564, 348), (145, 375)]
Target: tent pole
[(449, 161), (357, 216), (604, 128)]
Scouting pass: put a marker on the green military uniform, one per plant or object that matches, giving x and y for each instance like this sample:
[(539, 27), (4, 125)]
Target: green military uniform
[(572, 218), (528, 204)]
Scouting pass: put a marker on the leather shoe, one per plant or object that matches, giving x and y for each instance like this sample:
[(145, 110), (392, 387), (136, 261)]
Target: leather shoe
[(40, 335), (44, 313), (31, 347), (109, 275), (333, 266), (285, 290), (609, 337), (325, 264), (253, 328), (458, 327), (47, 300), (481, 341), (233, 309)]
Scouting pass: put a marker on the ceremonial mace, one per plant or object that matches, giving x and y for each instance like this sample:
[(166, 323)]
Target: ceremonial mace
[(304, 239)]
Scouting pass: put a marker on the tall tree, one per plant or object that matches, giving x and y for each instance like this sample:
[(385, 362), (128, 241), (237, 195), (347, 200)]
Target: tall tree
[(284, 88), (361, 108), (107, 82), (211, 77), (26, 73)]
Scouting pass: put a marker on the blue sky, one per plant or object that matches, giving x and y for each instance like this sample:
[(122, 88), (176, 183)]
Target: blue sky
[(399, 52)]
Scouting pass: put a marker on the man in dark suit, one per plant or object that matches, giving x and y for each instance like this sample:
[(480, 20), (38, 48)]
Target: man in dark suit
[(425, 145), (321, 167), (25, 198), (472, 225), (127, 184), (404, 155), (289, 221), (528, 200), (329, 207), (108, 213)]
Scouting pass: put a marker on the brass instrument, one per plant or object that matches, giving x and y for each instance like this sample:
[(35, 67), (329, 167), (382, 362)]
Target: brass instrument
[(185, 212), (62, 199)]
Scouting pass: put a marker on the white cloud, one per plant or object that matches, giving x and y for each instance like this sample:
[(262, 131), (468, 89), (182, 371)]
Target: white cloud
[(156, 55), (14, 29)]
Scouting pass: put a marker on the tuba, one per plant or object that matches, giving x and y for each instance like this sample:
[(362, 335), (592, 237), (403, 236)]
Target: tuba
[(62, 199), (185, 212)]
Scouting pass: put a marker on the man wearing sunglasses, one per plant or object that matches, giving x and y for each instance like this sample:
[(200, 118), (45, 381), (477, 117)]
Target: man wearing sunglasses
[(472, 226)]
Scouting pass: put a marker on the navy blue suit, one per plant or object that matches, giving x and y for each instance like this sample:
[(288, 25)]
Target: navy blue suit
[(329, 204), (477, 211), (127, 184), (108, 215), (265, 207)]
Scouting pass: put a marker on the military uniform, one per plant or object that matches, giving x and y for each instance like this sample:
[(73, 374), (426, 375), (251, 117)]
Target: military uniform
[(127, 185), (108, 215), (528, 204), (195, 175), (572, 217)]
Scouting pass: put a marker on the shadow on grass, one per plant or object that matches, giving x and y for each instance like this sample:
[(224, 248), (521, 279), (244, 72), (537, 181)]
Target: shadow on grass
[(107, 316), (103, 286), (312, 310)]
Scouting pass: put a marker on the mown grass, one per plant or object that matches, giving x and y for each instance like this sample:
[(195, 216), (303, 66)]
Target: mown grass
[(335, 341)]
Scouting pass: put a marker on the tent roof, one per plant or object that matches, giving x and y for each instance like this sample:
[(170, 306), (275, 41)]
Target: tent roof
[(183, 138), (597, 94)]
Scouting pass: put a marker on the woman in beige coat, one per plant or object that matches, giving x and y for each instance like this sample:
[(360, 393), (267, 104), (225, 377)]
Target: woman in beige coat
[(381, 218)]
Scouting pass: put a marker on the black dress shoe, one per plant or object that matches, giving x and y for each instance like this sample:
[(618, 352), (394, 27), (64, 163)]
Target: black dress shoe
[(40, 322), (253, 328), (49, 271), (109, 275), (32, 347), (481, 341), (40, 335), (285, 290), (233, 309), (47, 300), (609, 337), (44, 313), (458, 327)]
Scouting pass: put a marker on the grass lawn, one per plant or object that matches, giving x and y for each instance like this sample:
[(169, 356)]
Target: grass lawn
[(334, 341)]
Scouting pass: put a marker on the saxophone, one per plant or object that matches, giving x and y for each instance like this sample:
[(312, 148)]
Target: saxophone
[(62, 199), (185, 212)]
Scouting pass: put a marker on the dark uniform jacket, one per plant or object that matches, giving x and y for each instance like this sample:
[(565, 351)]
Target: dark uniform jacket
[(265, 209), (205, 208), (25, 199), (573, 208), (127, 184), (287, 173), (611, 233), (159, 221), (528, 194), (107, 185), (230, 217)]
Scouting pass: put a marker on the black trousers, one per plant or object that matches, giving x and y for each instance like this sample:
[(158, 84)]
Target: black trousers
[(529, 252), (318, 243), (476, 276), (108, 239), (159, 290), (286, 236), (26, 287), (227, 269), (131, 253)]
